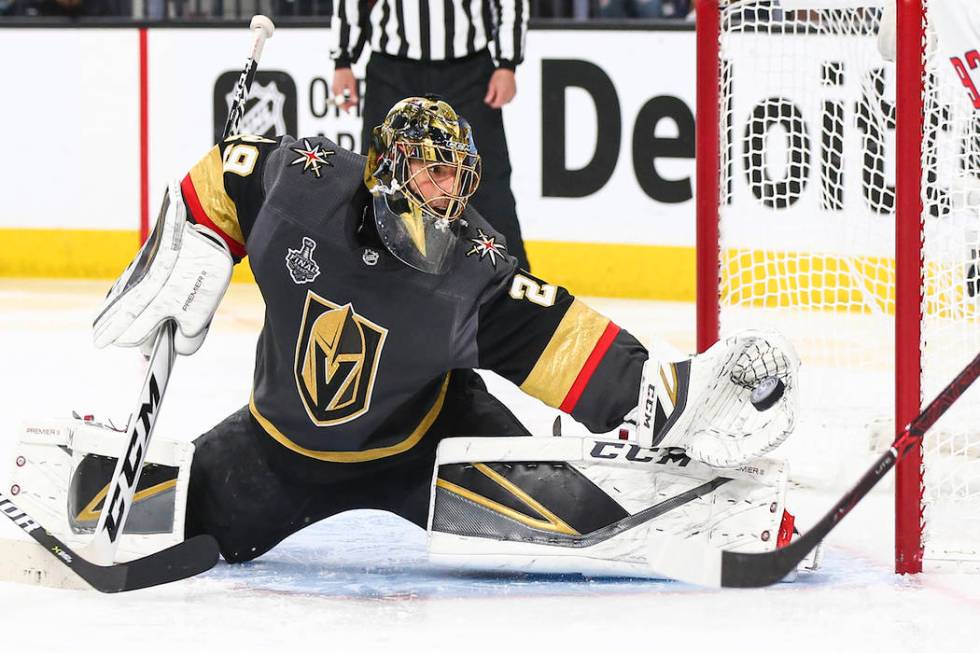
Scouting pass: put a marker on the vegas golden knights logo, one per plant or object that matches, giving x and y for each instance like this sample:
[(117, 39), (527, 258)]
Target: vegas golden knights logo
[(337, 357)]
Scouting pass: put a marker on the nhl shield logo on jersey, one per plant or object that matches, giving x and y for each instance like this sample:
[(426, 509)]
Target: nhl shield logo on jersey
[(487, 247), (302, 268), (337, 356)]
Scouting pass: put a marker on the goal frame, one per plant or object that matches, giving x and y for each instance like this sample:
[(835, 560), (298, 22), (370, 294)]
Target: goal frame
[(908, 240)]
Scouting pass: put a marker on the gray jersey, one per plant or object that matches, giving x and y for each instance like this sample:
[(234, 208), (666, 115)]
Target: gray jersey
[(355, 354)]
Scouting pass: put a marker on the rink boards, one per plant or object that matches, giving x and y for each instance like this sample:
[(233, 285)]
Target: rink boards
[(601, 138)]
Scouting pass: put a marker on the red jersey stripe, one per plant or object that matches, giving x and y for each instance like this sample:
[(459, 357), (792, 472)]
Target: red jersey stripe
[(591, 363), (201, 217)]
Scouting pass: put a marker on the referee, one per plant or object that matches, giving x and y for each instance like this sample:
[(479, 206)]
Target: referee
[(441, 47)]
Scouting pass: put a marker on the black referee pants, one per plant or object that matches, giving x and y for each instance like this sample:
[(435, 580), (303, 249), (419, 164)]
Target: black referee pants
[(463, 84)]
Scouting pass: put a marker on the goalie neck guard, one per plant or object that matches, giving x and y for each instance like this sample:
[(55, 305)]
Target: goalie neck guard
[(422, 168)]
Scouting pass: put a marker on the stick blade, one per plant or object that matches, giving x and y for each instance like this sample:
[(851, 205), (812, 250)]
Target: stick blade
[(183, 560)]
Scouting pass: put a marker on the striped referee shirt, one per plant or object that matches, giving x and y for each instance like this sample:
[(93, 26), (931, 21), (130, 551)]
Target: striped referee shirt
[(429, 30)]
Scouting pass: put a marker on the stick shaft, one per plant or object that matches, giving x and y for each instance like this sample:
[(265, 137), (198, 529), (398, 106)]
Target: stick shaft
[(244, 84), (122, 488)]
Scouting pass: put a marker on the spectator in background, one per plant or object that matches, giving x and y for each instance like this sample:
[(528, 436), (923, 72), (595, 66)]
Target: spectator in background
[(77, 8), (644, 8), (419, 48)]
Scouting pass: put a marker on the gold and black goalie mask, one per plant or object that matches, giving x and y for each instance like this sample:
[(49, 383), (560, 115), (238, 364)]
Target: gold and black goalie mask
[(422, 168)]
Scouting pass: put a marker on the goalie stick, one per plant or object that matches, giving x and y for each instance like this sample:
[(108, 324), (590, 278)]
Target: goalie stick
[(705, 565), (183, 560), (186, 558), (122, 488), (262, 29)]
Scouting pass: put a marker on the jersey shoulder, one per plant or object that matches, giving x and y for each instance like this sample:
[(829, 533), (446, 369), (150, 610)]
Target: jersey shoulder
[(317, 158), (481, 247)]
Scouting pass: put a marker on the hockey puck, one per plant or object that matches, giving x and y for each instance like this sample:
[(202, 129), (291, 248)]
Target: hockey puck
[(765, 395)]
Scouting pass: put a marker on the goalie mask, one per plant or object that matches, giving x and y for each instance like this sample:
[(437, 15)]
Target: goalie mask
[(421, 170)]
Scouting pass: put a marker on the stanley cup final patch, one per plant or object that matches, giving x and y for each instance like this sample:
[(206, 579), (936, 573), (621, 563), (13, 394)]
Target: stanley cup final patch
[(302, 268)]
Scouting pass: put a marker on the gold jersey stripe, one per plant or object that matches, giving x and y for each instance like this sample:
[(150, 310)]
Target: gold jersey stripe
[(207, 175), (566, 353), (356, 456)]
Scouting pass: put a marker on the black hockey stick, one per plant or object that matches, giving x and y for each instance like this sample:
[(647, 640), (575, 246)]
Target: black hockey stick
[(188, 558), (714, 567), (262, 29), (180, 561)]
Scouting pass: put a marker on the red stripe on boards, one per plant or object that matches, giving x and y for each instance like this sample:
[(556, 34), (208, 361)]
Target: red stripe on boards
[(144, 110)]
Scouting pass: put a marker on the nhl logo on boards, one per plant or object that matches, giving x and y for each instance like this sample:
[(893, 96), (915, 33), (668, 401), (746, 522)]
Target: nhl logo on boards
[(266, 114), (337, 356), (486, 246), (302, 268), (270, 109)]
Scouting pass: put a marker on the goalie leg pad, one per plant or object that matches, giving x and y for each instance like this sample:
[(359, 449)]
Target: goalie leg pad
[(591, 506), (60, 475)]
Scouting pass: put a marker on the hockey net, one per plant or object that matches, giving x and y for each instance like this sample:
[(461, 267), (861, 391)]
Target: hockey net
[(797, 204)]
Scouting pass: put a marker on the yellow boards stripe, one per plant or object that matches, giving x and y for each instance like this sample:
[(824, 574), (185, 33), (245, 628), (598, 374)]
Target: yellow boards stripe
[(751, 277), (616, 269), (72, 253)]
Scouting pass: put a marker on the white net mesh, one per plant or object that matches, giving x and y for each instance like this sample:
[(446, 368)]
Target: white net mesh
[(951, 308), (807, 239)]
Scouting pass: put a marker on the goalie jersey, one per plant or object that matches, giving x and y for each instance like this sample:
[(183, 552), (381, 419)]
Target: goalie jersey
[(355, 355)]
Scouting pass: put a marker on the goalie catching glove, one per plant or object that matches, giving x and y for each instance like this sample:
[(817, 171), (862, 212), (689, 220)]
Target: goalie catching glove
[(736, 401), (180, 274)]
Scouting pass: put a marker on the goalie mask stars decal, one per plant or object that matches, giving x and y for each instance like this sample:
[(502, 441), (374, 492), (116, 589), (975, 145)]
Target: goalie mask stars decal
[(311, 158), (485, 246)]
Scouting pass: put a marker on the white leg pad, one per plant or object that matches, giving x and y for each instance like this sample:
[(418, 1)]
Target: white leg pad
[(50, 454), (592, 506)]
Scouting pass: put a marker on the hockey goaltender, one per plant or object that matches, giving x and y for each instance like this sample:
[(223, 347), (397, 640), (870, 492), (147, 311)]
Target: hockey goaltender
[(384, 291)]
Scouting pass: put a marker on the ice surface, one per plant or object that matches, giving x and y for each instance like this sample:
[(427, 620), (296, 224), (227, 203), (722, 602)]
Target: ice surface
[(360, 581)]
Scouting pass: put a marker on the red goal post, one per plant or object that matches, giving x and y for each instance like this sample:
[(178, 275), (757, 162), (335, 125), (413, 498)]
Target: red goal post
[(803, 129)]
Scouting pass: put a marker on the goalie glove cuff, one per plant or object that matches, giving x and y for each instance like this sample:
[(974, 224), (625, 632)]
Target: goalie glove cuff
[(181, 273)]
